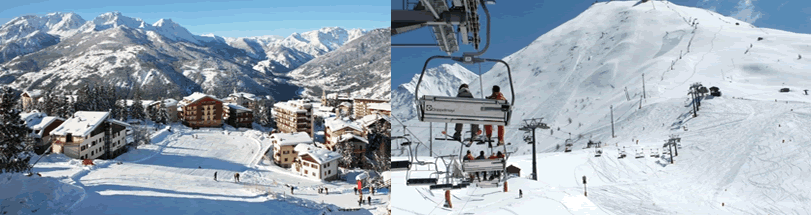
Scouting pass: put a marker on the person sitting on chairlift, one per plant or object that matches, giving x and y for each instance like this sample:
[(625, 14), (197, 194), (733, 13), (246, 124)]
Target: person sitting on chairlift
[(465, 93), (482, 157), (493, 157), (496, 95)]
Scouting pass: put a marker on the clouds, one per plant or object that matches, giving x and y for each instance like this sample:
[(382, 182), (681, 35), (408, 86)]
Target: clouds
[(746, 11)]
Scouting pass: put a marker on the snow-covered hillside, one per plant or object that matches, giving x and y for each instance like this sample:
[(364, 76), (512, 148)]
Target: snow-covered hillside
[(733, 152), (175, 175), (62, 51), (361, 67), (443, 80)]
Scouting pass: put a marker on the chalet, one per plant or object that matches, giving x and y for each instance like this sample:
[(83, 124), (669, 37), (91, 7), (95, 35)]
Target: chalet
[(39, 128), (344, 109), (334, 99), (243, 99), (294, 116), (90, 135), (376, 108), (30, 98), (335, 130), (201, 110), (170, 105), (513, 170), (284, 145), (371, 121), (319, 163), (361, 106), (238, 116)]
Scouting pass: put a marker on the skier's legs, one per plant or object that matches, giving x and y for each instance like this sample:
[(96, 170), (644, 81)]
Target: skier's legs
[(457, 131), (501, 133), (488, 131)]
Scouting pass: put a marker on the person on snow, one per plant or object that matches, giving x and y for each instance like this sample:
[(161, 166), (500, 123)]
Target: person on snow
[(520, 193), (369, 200), (237, 177), (291, 190), (326, 192), (496, 95), (215, 175), (464, 93), (482, 157)]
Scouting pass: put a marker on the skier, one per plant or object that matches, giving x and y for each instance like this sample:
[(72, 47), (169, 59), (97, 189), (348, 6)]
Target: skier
[(215, 175), (291, 190), (326, 192), (464, 93), (237, 177), (496, 95), (369, 200), (520, 193)]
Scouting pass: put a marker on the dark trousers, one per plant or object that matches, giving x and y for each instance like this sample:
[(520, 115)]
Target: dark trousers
[(458, 130)]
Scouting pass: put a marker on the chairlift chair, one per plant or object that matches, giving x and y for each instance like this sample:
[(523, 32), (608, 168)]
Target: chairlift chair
[(464, 110), (639, 153), (654, 153), (621, 153)]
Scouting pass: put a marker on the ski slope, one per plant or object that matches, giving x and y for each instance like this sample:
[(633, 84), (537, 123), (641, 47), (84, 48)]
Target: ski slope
[(175, 175), (733, 152)]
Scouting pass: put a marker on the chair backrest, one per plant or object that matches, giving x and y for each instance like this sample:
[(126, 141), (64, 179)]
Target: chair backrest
[(483, 165), (464, 110)]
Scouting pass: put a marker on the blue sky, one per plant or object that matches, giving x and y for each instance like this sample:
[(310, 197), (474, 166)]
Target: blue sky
[(517, 23), (227, 18)]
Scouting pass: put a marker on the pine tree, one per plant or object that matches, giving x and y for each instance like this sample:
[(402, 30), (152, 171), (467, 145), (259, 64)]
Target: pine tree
[(14, 155), (347, 158), (137, 109), (163, 115)]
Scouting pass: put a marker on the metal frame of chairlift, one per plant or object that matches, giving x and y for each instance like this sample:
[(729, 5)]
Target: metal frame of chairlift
[(453, 109)]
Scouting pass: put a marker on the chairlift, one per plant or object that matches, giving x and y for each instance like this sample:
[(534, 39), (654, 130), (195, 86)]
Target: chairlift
[(479, 111), (639, 153), (654, 153), (621, 153)]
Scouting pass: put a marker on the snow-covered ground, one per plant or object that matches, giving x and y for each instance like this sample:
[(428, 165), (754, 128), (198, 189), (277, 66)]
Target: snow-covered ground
[(175, 175), (748, 149)]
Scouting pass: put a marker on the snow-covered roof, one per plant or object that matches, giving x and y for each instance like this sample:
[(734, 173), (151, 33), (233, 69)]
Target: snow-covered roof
[(348, 136), (130, 102), (323, 155), (368, 120), (33, 93), (380, 106), (237, 107), (302, 148), (81, 124), (291, 139), (166, 102), (293, 106), (337, 124), (197, 96), (250, 96), (38, 121), (118, 122)]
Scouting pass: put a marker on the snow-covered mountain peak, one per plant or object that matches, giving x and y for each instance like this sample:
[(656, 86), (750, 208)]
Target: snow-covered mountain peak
[(443, 80), (115, 19)]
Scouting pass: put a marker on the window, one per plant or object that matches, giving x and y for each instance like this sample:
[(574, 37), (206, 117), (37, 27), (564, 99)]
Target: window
[(286, 160), (305, 171), (329, 171), (314, 173)]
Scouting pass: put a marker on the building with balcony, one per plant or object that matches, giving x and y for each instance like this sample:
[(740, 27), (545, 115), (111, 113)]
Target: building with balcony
[(238, 116), (319, 164), (90, 135), (201, 110), (284, 145), (294, 116), (361, 106)]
